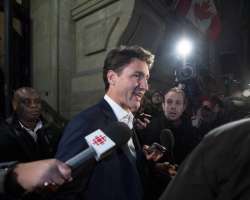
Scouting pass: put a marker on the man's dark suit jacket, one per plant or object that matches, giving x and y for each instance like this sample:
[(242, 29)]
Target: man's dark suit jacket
[(114, 178)]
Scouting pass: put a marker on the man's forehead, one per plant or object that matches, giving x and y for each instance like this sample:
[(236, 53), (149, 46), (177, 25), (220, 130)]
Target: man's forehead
[(173, 94), (26, 94)]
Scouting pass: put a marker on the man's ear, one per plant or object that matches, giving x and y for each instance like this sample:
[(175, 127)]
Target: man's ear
[(111, 76), (163, 105), (14, 105)]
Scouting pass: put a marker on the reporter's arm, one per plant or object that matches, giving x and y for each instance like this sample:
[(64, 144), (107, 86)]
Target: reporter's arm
[(37, 174), (27, 177), (4, 169)]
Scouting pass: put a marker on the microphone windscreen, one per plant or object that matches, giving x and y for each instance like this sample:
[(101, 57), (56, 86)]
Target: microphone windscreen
[(118, 132), (167, 139)]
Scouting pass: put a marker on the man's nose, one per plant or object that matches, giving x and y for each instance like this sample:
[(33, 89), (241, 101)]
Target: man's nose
[(144, 84), (173, 107), (34, 104)]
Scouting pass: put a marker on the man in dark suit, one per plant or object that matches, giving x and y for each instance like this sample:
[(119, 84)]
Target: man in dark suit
[(125, 74)]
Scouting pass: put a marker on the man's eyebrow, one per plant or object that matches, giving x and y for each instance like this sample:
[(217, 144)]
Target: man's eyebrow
[(142, 73)]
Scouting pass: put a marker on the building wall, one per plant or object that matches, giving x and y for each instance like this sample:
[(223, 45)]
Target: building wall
[(71, 39), (69, 43)]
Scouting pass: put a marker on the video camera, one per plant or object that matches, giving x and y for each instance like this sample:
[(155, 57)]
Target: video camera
[(185, 73)]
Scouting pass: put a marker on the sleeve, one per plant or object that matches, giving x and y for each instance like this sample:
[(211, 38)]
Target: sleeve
[(3, 173), (71, 143), (7, 180), (72, 140)]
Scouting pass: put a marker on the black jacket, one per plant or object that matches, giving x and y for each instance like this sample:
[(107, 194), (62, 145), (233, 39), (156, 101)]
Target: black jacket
[(185, 135), (16, 144)]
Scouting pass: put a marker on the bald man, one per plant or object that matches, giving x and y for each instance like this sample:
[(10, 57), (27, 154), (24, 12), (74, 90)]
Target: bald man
[(26, 137)]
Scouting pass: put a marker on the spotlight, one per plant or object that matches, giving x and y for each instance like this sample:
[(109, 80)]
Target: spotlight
[(184, 48)]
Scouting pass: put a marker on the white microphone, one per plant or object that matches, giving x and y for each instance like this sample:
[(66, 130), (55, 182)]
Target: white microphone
[(102, 143)]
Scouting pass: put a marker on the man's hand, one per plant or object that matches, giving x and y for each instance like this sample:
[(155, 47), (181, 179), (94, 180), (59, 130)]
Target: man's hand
[(152, 153), (38, 174), (166, 168), (142, 121)]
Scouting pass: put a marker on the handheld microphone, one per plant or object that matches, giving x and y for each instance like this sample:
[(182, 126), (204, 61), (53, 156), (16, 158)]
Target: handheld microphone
[(102, 143), (167, 140)]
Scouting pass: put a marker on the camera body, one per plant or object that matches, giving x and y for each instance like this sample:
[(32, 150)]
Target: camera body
[(185, 73)]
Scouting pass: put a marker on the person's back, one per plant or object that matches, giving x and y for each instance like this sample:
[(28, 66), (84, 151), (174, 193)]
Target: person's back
[(218, 168)]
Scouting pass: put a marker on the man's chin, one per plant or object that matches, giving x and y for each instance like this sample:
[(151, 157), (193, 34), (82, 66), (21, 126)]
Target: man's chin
[(135, 107), (172, 118)]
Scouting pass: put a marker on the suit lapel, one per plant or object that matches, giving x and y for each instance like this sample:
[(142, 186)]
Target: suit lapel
[(107, 110), (136, 141), (110, 116)]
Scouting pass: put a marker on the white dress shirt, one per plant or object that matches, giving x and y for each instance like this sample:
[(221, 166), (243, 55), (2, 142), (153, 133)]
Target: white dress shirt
[(122, 116), (39, 125)]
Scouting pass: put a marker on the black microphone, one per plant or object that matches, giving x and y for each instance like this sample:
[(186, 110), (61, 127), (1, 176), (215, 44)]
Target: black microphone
[(102, 143), (167, 140)]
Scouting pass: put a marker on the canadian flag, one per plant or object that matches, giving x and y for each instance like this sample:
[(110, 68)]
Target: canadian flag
[(203, 14)]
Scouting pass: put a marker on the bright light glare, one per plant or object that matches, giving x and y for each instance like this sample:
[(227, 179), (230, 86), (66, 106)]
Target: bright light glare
[(184, 48), (246, 93)]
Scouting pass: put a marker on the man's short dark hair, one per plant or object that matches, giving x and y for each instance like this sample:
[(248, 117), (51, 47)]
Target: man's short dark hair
[(119, 57)]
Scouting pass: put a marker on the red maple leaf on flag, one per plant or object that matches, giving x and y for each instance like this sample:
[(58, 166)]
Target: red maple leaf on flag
[(203, 14), (201, 11)]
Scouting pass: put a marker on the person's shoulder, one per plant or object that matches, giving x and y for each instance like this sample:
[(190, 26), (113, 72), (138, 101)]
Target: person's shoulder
[(7, 136), (5, 128), (229, 137), (89, 113), (85, 120), (81, 125), (240, 126)]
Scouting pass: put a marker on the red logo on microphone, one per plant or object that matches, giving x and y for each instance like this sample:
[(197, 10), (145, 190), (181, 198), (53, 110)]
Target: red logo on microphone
[(99, 140)]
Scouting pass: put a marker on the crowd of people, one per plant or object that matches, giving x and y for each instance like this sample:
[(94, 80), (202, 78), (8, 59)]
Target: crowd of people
[(156, 160)]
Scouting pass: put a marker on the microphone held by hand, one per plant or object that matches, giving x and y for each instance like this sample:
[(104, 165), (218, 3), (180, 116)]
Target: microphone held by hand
[(102, 143)]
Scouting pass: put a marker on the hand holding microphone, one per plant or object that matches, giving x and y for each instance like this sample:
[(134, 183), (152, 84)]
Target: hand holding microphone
[(101, 145), (34, 176)]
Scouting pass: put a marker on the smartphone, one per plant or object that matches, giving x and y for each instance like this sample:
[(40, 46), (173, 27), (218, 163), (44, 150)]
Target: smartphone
[(156, 147), (141, 116)]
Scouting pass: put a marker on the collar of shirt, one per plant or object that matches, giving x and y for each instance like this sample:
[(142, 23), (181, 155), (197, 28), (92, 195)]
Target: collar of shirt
[(121, 114), (39, 125)]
